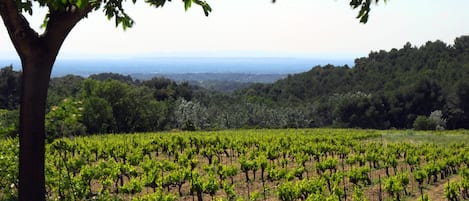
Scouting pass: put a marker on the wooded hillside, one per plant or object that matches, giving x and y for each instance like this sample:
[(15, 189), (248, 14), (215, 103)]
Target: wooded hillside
[(385, 89)]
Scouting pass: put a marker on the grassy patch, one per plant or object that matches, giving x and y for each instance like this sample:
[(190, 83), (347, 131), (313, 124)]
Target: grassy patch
[(419, 137)]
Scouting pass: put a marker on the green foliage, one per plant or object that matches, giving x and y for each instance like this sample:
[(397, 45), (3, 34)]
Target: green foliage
[(113, 106), (365, 8), (424, 123), (134, 186), (286, 192), (328, 164), (229, 190), (205, 6), (158, 195), (434, 121), (420, 175), (156, 166), (113, 9), (98, 116), (165, 89), (190, 115), (451, 190), (60, 88), (65, 119), (9, 169), (358, 194), (9, 123), (465, 182), (112, 76), (10, 83), (254, 196), (395, 185), (359, 175), (387, 89), (361, 110), (211, 186), (437, 118), (424, 198), (458, 107), (306, 189), (413, 87)]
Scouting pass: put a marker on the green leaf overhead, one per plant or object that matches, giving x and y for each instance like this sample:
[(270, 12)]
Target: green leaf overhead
[(205, 6), (365, 8), (81, 4), (113, 9), (187, 4)]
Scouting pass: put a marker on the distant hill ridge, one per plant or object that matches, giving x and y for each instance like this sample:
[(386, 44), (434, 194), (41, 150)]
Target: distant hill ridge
[(177, 65), (382, 72)]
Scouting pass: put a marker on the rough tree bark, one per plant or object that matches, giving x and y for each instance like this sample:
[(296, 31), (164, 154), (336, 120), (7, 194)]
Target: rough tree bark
[(37, 54), (36, 75)]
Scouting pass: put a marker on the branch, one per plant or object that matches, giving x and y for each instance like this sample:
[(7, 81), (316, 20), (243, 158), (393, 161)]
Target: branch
[(21, 34), (60, 23)]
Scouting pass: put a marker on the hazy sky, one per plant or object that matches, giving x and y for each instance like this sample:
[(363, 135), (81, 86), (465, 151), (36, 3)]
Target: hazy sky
[(303, 28)]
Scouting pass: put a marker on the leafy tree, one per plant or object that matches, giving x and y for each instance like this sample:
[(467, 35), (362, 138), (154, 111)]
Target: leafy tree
[(114, 106), (437, 118), (10, 82), (60, 88), (154, 115), (462, 94), (65, 119), (190, 115), (434, 121), (97, 115), (362, 110), (164, 88)]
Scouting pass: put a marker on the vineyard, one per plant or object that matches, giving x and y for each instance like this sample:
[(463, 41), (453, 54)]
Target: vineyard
[(297, 164)]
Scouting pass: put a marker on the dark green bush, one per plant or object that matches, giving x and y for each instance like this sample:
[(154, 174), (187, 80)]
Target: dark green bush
[(424, 123)]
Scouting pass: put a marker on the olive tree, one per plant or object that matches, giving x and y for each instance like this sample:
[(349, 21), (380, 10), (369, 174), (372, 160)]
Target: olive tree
[(38, 51)]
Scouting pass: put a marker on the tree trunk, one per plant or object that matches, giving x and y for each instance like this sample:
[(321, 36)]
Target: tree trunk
[(36, 75), (37, 53)]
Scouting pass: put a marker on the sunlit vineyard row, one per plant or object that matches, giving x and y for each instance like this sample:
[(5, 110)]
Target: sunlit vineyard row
[(305, 164)]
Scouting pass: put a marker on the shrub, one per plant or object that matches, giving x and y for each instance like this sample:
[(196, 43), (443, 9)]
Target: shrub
[(9, 123), (65, 119), (424, 123)]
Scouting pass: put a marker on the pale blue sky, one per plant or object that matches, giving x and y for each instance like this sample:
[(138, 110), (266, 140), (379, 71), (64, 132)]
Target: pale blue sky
[(302, 28)]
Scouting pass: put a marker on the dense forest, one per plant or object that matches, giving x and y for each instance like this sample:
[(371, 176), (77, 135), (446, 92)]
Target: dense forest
[(386, 89), (423, 87)]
